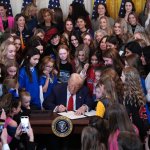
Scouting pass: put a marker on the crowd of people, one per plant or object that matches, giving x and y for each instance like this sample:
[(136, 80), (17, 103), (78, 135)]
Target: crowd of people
[(79, 64)]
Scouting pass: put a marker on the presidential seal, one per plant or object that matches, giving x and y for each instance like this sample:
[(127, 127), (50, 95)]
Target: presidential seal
[(62, 126)]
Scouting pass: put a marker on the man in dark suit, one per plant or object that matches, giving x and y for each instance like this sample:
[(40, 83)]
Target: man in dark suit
[(71, 96)]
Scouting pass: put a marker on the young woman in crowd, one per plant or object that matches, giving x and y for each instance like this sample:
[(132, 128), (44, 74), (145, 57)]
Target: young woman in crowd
[(48, 79), (98, 35), (90, 139), (104, 25), (88, 40), (39, 33), (102, 44), (133, 25), (6, 22), (119, 121), (101, 10), (75, 41), (30, 13), (113, 59), (58, 19), (82, 59), (134, 99), (28, 78), (120, 30), (64, 63), (8, 52), (21, 29), (82, 27), (12, 69), (45, 18), (68, 29)]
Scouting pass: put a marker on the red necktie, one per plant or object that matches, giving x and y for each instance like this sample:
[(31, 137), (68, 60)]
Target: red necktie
[(70, 103)]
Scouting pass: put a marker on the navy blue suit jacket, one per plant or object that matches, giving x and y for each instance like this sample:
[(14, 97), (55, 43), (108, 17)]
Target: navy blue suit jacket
[(59, 96)]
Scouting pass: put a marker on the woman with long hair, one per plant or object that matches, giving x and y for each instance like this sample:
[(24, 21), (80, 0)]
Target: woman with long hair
[(134, 99)]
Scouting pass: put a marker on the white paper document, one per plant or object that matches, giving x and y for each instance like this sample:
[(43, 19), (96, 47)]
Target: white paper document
[(71, 114)]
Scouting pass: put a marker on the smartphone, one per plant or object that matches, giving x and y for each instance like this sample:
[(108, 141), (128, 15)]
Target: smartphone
[(24, 124), (2, 122)]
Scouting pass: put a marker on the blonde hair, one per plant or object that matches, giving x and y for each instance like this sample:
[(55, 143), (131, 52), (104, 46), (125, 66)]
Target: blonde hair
[(4, 50), (108, 28), (78, 64), (28, 8), (24, 93), (133, 92)]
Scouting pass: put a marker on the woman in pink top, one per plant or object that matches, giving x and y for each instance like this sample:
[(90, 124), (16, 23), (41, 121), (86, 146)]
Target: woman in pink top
[(6, 22)]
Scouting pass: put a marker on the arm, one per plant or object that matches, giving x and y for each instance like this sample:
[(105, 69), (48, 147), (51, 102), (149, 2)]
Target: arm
[(4, 140)]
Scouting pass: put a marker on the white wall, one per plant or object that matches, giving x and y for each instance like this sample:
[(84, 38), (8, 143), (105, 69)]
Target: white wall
[(17, 4)]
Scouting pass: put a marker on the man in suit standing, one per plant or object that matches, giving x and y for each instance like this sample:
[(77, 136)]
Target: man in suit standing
[(72, 96)]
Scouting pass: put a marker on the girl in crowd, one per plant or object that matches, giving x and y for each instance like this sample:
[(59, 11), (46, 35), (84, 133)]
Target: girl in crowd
[(39, 33), (115, 42), (143, 36), (128, 7), (119, 121), (133, 60), (82, 58), (25, 103), (102, 44), (30, 13), (68, 28), (120, 30), (134, 99), (28, 78), (75, 41), (88, 40), (112, 58), (76, 10), (12, 69), (19, 51), (104, 25), (8, 52), (58, 20), (133, 25), (133, 47), (45, 18), (145, 58), (64, 63), (48, 79), (21, 30), (109, 72), (36, 42), (52, 40), (11, 86), (95, 61), (6, 22), (12, 108), (101, 10), (98, 35), (90, 139), (82, 27)]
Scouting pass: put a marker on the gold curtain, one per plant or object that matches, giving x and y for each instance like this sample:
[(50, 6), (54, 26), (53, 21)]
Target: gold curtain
[(113, 6)]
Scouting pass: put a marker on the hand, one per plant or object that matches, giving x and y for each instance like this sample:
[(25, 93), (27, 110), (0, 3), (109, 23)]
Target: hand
[(30, 134), (81, 110), (3, 115), (86, 66), (4, 136), (18, 132), (46, 73), (61, 108)]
